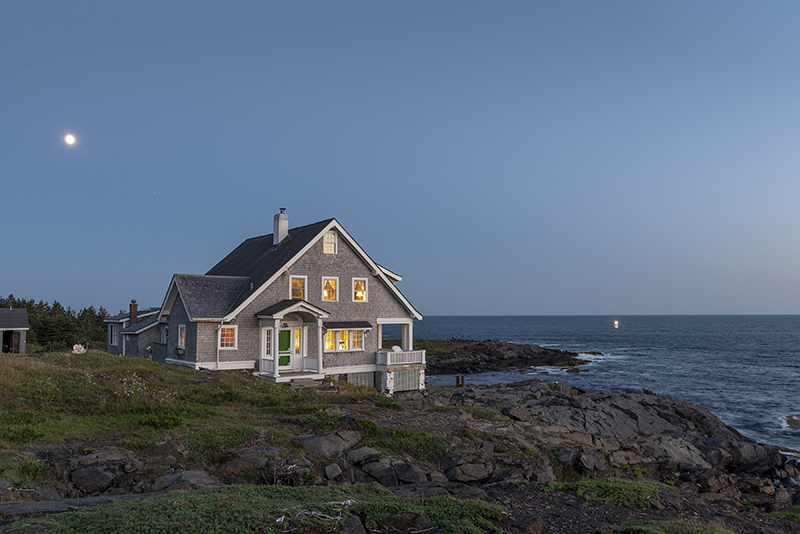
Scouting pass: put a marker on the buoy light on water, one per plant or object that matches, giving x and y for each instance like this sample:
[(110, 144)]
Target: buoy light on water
[(616, 324)]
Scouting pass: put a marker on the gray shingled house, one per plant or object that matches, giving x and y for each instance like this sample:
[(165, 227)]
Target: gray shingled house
[(304, 303), (13, 329), (135, 332)]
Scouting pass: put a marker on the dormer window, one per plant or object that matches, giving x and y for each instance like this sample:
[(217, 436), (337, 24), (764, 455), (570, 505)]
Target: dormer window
[(330, 243)]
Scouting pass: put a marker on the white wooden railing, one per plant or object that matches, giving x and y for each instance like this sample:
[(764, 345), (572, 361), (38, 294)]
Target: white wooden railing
[(266, 366), (389, 357)]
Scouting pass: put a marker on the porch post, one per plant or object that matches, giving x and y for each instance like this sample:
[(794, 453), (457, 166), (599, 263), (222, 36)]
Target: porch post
[(275, 324), (320, 345), (410, 336)]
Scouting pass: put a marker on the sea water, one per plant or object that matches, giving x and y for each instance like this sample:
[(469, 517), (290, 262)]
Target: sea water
[(744, 369)]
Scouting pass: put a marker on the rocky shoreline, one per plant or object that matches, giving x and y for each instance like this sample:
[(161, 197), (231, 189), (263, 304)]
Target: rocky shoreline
[(446, 357), (504, 444)]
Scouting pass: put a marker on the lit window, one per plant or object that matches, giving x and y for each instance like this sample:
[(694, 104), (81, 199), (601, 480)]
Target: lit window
[(181, 336), (297, 341), (298, 287), (330, 341), (330, 243), (359, 289), (227, 337), (113, 334), (344, 340), (329, 288)]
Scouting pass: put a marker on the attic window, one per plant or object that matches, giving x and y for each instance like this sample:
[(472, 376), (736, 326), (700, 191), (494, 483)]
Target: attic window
[(298, 289), (330, 243)]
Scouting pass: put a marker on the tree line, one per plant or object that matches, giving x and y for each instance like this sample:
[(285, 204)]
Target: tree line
[(56, 328)]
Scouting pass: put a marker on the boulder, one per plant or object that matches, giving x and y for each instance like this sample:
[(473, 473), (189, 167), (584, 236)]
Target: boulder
[(331, 444), (92, 479), (469, 472), (404, 522), (517, 414), (332, 471), (409, 473), (362, 455), (352, 525)]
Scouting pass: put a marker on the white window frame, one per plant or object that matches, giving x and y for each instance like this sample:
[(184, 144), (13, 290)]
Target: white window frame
[(113, 334), (366, 289), (305, 287), (334, 242), (235, 337), (181, 336), (349, 340), (338, 288)]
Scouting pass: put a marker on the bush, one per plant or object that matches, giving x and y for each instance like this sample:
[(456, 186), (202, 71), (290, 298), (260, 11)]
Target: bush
[(614, 491)]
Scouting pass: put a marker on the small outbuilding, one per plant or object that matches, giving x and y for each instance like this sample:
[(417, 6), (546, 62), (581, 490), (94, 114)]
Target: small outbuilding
[(13, 328)]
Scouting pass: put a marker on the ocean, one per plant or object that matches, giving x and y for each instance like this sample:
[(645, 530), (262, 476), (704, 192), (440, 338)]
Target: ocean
[(745, 368)]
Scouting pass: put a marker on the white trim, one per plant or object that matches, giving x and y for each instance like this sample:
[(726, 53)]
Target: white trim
[(366, 289), (305, 286), (394, 276), (221, 366), (366, 368), (148, 327), (140, 316), (336, 279), (402, 320), (20, 329), (235, 337), (333, 224), (169, 302)]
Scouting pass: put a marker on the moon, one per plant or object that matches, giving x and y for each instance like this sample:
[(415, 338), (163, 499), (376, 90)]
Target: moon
[(69, 139)]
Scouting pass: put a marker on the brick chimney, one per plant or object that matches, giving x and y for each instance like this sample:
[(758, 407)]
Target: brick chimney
[(134, 312), (280, 225)]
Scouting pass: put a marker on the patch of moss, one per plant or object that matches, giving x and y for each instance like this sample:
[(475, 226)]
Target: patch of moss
[(613, 491)]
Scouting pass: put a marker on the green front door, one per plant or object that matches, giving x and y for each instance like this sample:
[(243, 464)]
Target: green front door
[(284, 347)]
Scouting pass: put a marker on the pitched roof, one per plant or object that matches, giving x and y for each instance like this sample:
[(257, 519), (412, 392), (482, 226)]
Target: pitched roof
[(258, 259), (120, 317), (14, 319), (209, 296), (142, 325)]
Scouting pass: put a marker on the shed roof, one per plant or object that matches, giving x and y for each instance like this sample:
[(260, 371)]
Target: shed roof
[(14, 319)]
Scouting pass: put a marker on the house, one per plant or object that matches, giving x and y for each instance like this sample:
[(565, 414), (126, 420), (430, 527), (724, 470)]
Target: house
[(132, 333), (305, 303), (13, 329)]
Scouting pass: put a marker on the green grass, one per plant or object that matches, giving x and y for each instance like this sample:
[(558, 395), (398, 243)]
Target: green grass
[(613, 491), (421, 446), (631, 526), (269, 510), (57, 398), (792, 514)]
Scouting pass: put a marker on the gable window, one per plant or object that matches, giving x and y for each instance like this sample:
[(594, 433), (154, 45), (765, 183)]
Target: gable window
[(329, 288), (227, 337), (344, 340), (181, 336), (113, 334), (298, 288), (359, 290), (330, 243)]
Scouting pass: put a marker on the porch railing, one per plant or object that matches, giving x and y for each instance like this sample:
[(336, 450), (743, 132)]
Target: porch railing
[(388, 357), (266, 366)]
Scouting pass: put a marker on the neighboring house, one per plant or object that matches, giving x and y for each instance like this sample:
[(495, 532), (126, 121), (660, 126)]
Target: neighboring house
[(132, 333), (13, 329), (304, 303)]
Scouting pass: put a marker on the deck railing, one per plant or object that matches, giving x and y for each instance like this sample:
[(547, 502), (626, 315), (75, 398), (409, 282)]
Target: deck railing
[(388, 357)]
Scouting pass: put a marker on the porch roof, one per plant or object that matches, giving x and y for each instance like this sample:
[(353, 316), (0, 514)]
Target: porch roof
[(347, 325), (141, 326), (285, 307)]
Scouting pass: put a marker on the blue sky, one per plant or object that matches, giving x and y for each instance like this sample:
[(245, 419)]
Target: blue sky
[(562, 157)]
